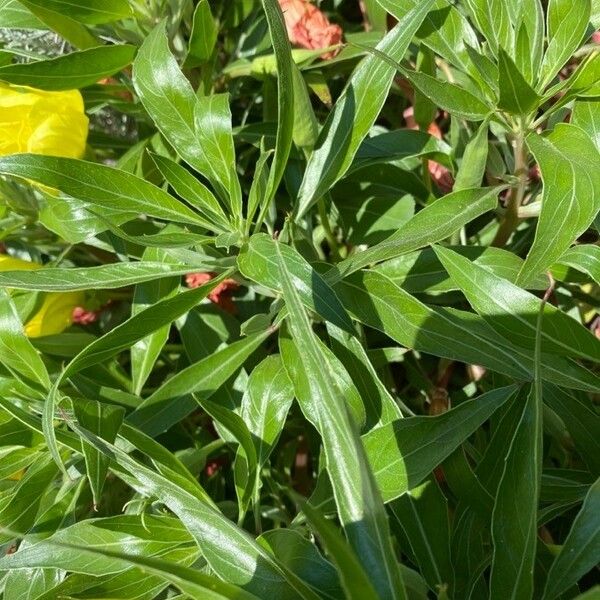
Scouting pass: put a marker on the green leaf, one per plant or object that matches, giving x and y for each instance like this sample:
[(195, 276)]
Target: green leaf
[(285, 97), (445, 30), (265, 404), (16, 351), (74, 70), (568, 21), (145, 352), (422, 513), (354, 579), (355, 112), (198, 128), (492, 18), (89, 12), (302, 557), (474, 161), (437, 221), (584, 258), (194, 192), (258, 261), (570, 167), (360, 508), (581, 550), (105, 421), (514, 313), (377, 302), (70, 29), (586, 114), (449, 96), (230, 552), (138, 327), (403, 453), (421, 271), (516, 95), (104, 277), (171, 402), (14, 15), (101, 186), (517, 499), (203, 37)]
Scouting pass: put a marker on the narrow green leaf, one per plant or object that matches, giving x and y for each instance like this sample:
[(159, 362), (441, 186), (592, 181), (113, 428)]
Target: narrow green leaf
[(194, 192), (474, 161), (354, 579), (285, 96), (570, 166), (359, 504), (445, 30), (403, 453), (514, 312), (105, 277), (518, 494), (586, 114), (103, 420), (449, 96), (258, 261), (172, 401), (198, 128), (438, 221), (203, 37), (89, 12), (138, 327), (516, 95), (230, 552), (568, 21), (103, 187), (70, 71), (355, 112), (581, 551), (16, 351), (423, 515)]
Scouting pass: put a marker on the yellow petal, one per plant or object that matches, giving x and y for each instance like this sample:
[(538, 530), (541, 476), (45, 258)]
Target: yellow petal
[(8, 263), (40, 122), (55, 315)]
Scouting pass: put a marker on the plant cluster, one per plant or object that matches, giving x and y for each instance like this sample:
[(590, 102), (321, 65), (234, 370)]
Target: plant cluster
[(318, 319)]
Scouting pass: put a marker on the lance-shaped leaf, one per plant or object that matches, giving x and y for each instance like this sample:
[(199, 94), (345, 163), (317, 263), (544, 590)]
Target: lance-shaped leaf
[(258, 261), (513, 312), (584, 258), (99, 185), (89, 12), (567, 21), (586, 114), (172, 401), (71, 71), (198, 128), (445, 30), (403, 453), (359, 503), (16, 351), (516, 95), (356, 111), (570, 166), (516, 503), (105, 277), (581, 551), (435, 222), (285, 95), (104, 420), (376, 301)]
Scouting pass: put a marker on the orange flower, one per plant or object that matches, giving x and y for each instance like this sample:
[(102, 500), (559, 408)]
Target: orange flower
[(308, 27), (221, 295)]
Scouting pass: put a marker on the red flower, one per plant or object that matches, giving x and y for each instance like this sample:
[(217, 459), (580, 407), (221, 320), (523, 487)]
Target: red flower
[(81, 316), (308, 27), (221, 295)]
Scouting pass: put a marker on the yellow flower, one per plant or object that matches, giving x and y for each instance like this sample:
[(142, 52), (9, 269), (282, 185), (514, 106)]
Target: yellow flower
[(56, 312), (40, 122)]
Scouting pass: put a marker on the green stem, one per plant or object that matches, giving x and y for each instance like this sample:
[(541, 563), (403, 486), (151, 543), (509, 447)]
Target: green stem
[(333, 245), (517, 194)]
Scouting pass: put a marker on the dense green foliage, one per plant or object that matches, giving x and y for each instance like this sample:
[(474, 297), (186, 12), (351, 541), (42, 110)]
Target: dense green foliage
[(337, 332)]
